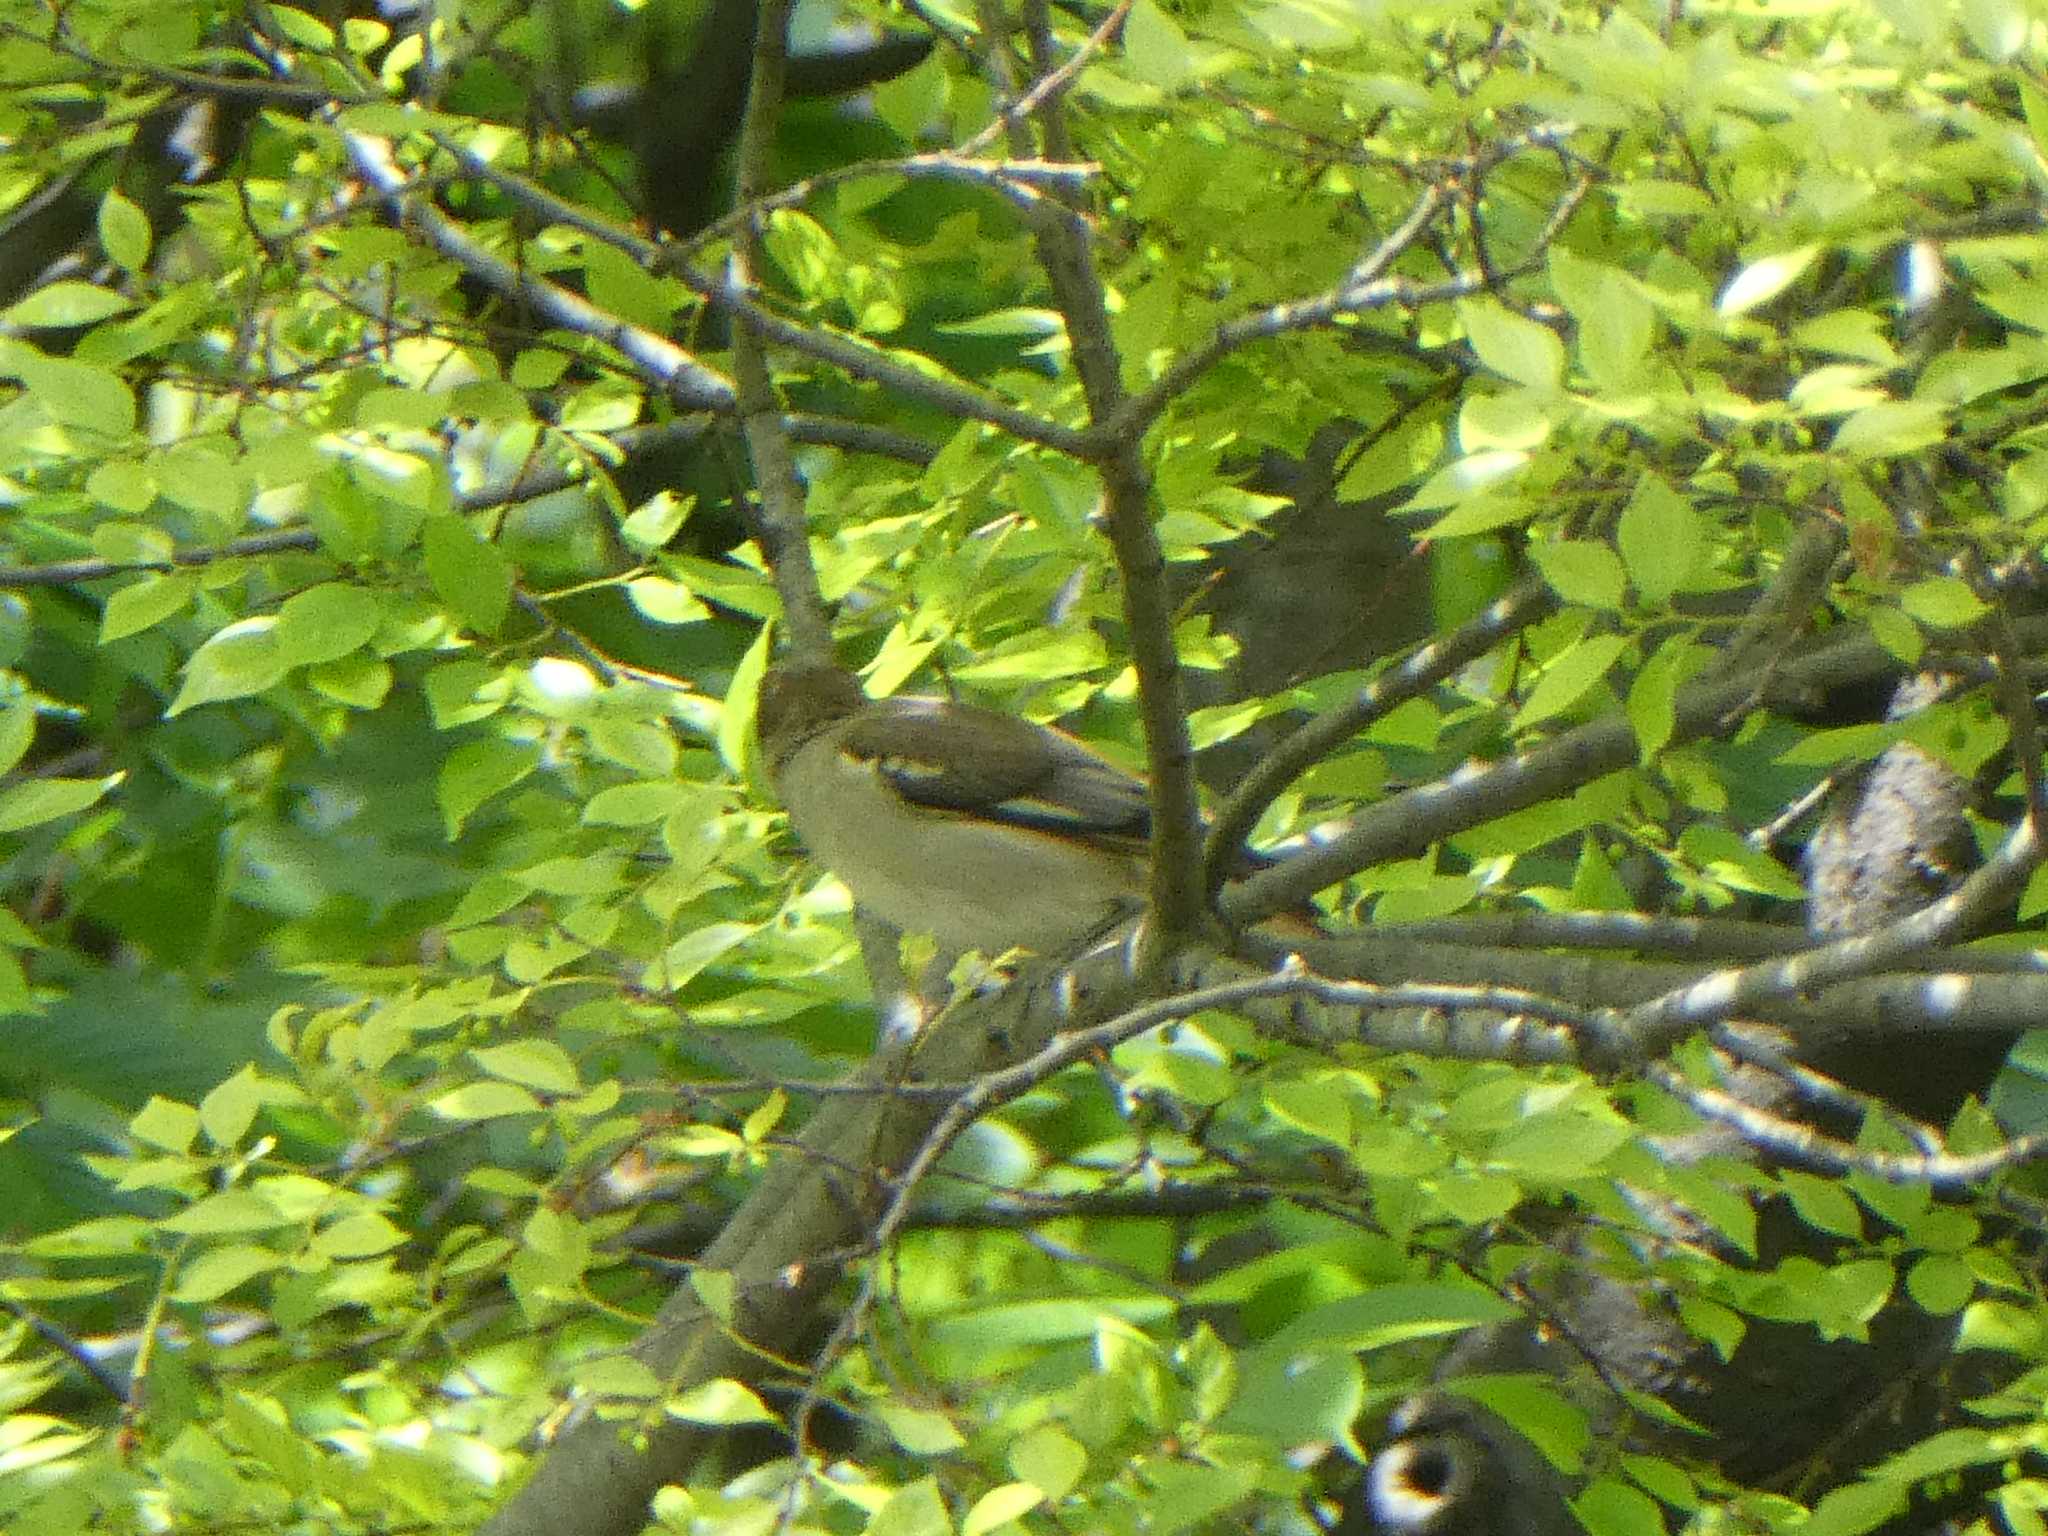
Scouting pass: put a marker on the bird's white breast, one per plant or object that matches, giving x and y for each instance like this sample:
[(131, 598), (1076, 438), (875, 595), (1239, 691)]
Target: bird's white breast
[(973, 884)]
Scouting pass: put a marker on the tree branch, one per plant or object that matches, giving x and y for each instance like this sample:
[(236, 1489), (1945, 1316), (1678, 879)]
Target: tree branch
[(779, 522), (1310, 742), (688, 382), (1065, 255)]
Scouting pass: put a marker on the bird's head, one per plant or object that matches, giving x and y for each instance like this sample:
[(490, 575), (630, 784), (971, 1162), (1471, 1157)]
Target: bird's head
[(798, 701)]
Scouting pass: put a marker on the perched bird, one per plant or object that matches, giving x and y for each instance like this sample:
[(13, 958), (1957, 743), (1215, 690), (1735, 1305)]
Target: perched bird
[(1452, 1468), (980, 828)]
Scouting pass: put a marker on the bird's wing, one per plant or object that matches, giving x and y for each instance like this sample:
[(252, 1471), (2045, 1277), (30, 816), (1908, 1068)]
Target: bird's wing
[(976, 762)]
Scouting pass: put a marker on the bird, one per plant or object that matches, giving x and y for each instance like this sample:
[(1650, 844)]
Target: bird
[(1452, 1468), (985, 830)]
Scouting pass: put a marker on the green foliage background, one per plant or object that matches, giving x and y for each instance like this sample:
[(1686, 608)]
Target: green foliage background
[(397, 995)]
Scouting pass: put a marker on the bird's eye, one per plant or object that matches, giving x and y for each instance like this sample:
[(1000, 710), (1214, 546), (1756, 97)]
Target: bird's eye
[(1428, 1472)]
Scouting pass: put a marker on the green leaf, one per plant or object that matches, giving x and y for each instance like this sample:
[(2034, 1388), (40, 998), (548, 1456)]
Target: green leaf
[(1731, 859), (1560, 1145), (122, 484), (218, 1271), (101, 1238), (1513, 345), (1941, 1283), (1581, 571), (736, 720), (1996, 28), (361, 682), (325, 623), (1292, 1400), (1314, 1107), (124, 231), (1662, 540), (634, 805), (1001, 1506), (1891, 427), (484, 1101), (1595, 886), (305, 30), (1898, 634), (231, 1211), (165, 1123), (1823, 1204), (1049, 1459), (1610, 1507), (476, 771), (75, 394), (1943, 602), (468, 572), (722, 1401), (679, 964), (1853, 333), (1390, 1314), (621, 286), (1020, 321), (146, 603), (1156, 49), (920, 1431), (714, 1289), (360, 1235), (539, 1064), (238, 661), (1616, 323), (1533, 1404), (17, 732), (41, 800), (915, 1510), (230, 1108), (1821, 749), (656, 521), (665, 601), (1568, 678), (1950, 1450), (2001, 1327), (1475, 487), (65, 304), (1653, 696)]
